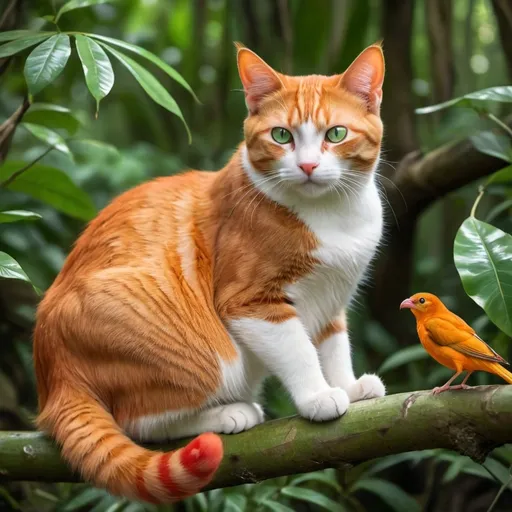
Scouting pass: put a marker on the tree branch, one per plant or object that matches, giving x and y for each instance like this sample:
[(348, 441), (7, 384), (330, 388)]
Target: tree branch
[(8, 127), (471, 422)]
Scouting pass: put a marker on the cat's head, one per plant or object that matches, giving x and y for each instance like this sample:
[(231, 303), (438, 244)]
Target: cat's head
[(313, 134)]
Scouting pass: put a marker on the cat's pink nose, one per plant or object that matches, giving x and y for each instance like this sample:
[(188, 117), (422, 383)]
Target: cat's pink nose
[(308, 168)]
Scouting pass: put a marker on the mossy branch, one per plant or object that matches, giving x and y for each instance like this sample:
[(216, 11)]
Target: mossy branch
[(471, 422)]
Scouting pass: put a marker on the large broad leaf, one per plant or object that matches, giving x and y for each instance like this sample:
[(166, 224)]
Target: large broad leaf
[(17, 215), (21, 44), (147, 55), (501, 94), (98, 71), (499, 146), (11, 35), (46, 62), (49, 136), (483, 257), (150, 84), (78, 4), (389, 493), (314, 497), (52, 116), (51, 186), (403, 356), (11, 269), (502, 176)]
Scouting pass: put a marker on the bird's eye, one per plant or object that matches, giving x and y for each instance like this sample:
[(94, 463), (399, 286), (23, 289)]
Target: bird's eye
[(422, 300), (281, 135)]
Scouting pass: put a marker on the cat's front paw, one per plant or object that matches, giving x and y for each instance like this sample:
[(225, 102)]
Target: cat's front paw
[(326, 405), (367, 386), (235, 418)]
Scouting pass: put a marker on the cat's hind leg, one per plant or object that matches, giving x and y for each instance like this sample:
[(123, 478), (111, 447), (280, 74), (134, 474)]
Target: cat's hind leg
[(222, 419)]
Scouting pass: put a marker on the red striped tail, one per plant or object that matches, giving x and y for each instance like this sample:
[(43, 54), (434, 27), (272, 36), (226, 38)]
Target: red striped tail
[(93, 444), (173, 476)]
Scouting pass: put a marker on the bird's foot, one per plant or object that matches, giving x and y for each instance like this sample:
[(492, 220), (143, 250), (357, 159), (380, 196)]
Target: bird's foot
[(461, 386), (442, 389)]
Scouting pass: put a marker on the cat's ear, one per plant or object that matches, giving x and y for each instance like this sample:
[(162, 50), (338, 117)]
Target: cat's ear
[(258, 78), (365, 76)]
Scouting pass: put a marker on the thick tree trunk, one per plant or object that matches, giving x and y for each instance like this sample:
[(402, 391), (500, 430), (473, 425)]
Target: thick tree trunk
[(471, 422)]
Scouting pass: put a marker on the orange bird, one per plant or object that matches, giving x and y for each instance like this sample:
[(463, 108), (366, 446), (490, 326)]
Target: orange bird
[(451, 341)]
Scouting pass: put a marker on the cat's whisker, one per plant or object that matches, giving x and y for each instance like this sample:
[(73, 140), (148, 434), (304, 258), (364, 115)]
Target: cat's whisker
[(380, 176)]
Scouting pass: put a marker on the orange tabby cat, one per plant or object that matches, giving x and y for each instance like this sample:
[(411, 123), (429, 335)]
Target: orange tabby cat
[(186, 291)]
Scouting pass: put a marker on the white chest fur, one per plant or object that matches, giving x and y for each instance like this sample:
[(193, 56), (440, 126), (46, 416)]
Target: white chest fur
[(348, 233)]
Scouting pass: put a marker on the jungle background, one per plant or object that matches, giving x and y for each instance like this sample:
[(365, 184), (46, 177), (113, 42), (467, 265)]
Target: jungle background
[(433, 167)]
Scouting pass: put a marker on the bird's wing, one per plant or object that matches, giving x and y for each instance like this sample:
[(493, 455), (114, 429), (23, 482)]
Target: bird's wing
[(446, 333)]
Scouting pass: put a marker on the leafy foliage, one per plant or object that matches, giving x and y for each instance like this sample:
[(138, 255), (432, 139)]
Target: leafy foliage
[(483, 256)]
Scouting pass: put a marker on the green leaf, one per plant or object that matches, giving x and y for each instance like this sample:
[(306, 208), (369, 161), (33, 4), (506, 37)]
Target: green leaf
[(501, 94), (392, 460), (275, 506), (99, 75), (46, 62), (20, 44), (49, 137), (11, 269), (403, 356), (454, 470), (105, 504), (389, 493), (11, 35), (87, 145), (314, 497), (499, 146), (17, 215), (79, 4), (499, 209), (150, 84), (483, 257), (52, 186), (328, 479), (263, 491), (149, 56), (196, 502), (52, 116), (502, 176), (235, 503)]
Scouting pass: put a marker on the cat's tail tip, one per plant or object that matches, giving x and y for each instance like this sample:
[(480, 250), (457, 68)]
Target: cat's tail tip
[(202, 456), (173, 476)]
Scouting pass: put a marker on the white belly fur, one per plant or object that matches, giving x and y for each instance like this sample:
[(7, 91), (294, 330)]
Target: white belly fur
[(348, 240)]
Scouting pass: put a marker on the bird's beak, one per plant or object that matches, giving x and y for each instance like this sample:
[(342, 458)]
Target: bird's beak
[(407, 304)]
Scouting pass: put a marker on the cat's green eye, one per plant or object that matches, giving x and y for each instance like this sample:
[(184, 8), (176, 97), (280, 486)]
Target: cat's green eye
[(336, 134), (281, 135)]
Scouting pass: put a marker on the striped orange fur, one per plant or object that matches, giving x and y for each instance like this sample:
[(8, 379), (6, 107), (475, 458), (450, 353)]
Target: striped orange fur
[(139, 335)]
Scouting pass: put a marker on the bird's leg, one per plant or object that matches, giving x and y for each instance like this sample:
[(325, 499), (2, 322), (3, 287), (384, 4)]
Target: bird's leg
[(446, 387), (463, 384)]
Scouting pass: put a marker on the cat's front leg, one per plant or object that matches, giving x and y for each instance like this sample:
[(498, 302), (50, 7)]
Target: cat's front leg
[(336, 360), (287, 351)]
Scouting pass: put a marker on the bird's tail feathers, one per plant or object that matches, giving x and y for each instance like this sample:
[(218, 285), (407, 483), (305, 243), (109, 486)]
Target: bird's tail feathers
[(502, 372)]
